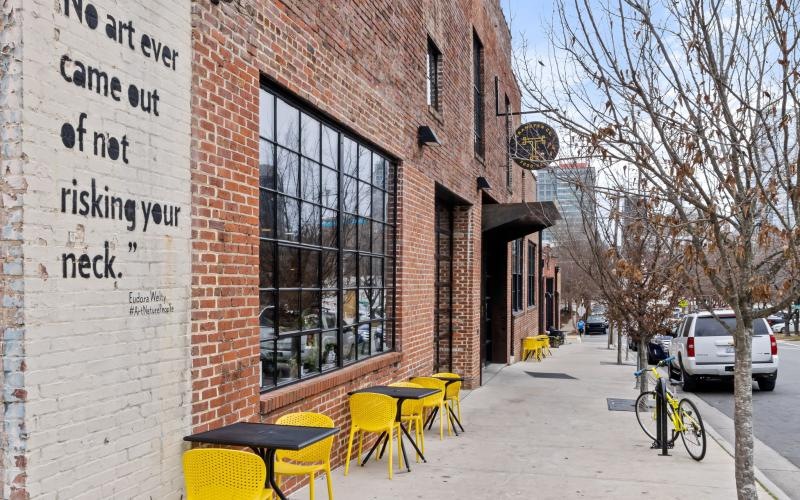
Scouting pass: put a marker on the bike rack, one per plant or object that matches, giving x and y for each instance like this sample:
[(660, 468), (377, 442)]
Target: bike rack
[(661, 421)]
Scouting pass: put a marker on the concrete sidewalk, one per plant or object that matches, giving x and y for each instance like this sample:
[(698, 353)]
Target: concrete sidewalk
[(540, 438)]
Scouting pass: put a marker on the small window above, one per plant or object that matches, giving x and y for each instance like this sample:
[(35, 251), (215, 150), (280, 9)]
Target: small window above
[(434, 62)]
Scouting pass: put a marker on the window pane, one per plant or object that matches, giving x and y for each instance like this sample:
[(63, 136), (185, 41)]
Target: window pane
[(329, 269), (364, 164), (310, 137), (363, 303), (266, 117), (266, 165), (388, 329), (288, 219), (287, 172), (287, 358), (349, 157), (376, 304), (288, 125), (288, 311), (349, 270), (349, 307), (268, 364), (330, 188), (377, 336), (349, 344), (363, 340), (378, 205), (266, 264), (309, 260), (330, 343), (266, 315), (310, 225), (310, 354), (330, 315), (329, 233), (377, 237), (378, 170), (364, 199), (330, 147), (289, 268), (377, 271), (364, 234), (364, 273), (266, 213), (349, 232), (310, 317), (350, 193), (310, 181)]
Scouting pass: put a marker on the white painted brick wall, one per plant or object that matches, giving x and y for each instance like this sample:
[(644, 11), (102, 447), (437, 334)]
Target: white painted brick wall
[(108, 394)]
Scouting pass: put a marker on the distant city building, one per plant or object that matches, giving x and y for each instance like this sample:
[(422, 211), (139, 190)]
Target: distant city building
[(560, 185)]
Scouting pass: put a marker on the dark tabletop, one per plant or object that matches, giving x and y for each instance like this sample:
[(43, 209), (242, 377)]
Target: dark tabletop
[(399, 392), (276, 437), (450, 378)]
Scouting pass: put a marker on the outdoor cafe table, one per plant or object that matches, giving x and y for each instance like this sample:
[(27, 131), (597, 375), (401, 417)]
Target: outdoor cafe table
[(400, 394), (447, 379), (265, 440)]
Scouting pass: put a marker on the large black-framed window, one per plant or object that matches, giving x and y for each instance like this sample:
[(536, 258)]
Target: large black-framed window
[(516, 275), (477, 88), (326, 253), (531, 274)]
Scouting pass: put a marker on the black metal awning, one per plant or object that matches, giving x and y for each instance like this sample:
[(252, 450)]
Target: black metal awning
[(509, 221)]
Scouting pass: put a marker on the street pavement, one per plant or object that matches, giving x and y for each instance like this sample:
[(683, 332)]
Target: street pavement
[(776, 423), (533, 437)]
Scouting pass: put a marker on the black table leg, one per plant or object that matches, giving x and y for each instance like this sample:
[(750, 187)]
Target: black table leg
[(372, 450), (454, 417), (403, 448), (383, 448), (268, 456), (413, 443), (431, 418)]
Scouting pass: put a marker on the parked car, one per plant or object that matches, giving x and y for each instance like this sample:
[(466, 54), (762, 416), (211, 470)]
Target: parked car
[(784, 328), (596, 324), (704, 349)]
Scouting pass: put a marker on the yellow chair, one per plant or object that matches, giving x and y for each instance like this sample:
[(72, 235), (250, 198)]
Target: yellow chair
[(452, 395), (531, 348), (375, 413), (435, 401), (215, 473), (545, 345), (412, 413), (309, 460)]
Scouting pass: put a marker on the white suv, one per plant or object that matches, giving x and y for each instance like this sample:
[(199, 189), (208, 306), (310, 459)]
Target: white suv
[(704, 349)]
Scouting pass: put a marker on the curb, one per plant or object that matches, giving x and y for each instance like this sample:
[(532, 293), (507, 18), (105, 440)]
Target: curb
[(772, 489)]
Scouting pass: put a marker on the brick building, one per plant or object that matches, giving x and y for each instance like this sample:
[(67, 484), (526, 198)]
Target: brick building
[(350, 216)]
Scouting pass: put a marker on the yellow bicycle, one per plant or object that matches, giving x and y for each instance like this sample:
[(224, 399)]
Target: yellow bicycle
[(682, 416)]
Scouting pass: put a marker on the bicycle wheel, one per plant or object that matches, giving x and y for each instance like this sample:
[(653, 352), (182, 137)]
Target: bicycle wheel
[(694, 434), (645, 407)]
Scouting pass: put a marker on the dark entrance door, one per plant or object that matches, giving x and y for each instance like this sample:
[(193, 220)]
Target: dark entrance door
[(549, 304), (443, 307)]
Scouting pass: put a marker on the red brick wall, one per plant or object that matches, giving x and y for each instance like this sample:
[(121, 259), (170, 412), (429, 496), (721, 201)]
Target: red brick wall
[(362, 64)]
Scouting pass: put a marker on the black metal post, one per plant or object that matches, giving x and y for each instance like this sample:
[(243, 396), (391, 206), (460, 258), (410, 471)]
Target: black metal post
[(662, 418)]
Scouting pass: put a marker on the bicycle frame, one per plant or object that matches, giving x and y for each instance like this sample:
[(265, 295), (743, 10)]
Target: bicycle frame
[(673, 402)]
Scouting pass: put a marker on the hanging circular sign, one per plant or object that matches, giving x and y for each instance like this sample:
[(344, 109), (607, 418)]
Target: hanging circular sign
[(534, 145)]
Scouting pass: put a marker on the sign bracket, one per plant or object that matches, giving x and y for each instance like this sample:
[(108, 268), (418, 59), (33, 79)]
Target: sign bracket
[(517, 113)]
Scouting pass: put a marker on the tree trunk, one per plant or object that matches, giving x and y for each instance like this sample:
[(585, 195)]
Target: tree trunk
[(743, 410), (619, 345), (642, 351), (609, 333)]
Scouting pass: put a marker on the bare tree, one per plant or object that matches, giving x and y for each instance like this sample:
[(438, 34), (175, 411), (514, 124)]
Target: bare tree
[(617, 246), (701, 96)]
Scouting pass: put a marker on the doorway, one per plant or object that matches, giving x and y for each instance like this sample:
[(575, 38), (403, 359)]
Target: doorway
[(443, 306)]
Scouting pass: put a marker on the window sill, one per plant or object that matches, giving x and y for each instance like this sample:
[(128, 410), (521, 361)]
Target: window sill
[(275, 399), (436, 114)]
